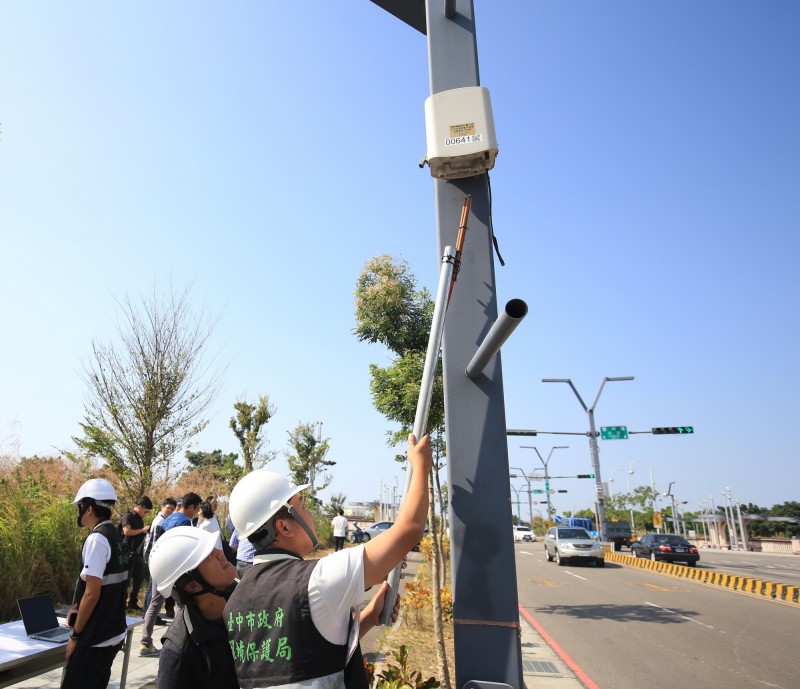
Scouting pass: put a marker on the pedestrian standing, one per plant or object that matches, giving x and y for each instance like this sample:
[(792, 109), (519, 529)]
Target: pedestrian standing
[(339, 526), (168, 506), (134, 532), (182, 516), (208, 520), (97, 616), (243, 550)]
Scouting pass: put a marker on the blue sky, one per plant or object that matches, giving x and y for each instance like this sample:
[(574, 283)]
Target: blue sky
[(646, 200)]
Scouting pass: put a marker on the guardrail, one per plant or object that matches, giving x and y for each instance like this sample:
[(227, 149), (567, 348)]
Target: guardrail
[(760, 587)]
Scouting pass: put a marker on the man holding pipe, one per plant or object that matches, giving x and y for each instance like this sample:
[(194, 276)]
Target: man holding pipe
[(292, 621)]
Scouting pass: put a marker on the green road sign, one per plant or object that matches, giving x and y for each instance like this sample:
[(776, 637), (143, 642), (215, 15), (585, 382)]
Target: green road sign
[(538, 490), (614, 432)]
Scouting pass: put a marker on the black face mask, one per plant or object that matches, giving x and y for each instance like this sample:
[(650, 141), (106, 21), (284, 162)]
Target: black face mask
[(82, 507)]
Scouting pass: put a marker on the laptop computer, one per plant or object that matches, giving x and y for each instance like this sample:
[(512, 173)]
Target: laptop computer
[(39, 618)]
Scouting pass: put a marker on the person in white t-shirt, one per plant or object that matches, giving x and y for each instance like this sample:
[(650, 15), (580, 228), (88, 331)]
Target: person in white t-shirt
[(297, 622), (339, 526), (208, 520)]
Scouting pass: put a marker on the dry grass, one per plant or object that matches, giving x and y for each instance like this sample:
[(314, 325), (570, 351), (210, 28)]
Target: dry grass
[(421, 645)]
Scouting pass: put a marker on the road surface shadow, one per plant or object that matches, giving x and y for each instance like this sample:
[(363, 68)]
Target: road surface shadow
[(620, 613)]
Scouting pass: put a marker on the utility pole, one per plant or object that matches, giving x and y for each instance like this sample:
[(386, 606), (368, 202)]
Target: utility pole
[(528, 481), (593, 449), (485, 604), (546, 475)]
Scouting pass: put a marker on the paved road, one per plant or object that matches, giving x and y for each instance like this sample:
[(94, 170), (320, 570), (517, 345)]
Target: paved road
[(784, 569), (627, 627)]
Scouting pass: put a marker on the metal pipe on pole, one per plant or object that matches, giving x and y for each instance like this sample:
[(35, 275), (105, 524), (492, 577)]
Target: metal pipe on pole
[(424, 399), (515, 310)]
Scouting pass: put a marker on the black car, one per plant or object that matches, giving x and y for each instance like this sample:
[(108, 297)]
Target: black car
[(666, 547)]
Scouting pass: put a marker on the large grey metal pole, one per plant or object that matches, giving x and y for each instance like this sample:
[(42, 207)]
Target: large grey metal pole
[(485, 607), (485, 604)]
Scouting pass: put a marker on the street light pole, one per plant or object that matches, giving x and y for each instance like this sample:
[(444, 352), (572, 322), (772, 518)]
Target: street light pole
[(519, 516), (671, 497), (717, 534), (593, 449), (731, 519), (528, 481), (546, 475), (741, 526)]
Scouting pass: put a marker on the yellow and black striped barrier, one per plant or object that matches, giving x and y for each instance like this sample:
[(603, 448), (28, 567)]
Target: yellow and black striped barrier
[(758, 587)]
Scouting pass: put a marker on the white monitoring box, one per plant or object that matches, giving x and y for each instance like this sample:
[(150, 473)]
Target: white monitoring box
[(459, 127)]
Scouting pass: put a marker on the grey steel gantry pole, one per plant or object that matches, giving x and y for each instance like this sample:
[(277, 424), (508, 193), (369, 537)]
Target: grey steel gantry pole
[(485, 605)]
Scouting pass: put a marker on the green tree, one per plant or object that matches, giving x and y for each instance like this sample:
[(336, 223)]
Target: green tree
[(389, 307), (391, 310), (248, 425), (147, 393), (223, 467), (336, 502), (307, 461)]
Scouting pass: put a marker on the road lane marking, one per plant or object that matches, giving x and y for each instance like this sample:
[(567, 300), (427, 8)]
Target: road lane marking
[(572, 574), (672, 612)]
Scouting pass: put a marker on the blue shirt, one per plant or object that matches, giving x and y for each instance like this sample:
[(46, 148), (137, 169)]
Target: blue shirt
[(245, 550), (176, 519)]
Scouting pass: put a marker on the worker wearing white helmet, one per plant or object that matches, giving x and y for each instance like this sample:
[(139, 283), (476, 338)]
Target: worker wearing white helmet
[(194, 652), (296, 622), (97, 616)]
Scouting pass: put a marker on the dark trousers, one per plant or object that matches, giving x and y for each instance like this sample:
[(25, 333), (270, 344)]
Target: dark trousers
[(137, 569), (89, 667), (338, 543)]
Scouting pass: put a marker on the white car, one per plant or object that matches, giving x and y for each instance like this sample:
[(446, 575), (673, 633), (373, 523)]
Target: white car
[(567, 543), (375, 530), (523, 533)]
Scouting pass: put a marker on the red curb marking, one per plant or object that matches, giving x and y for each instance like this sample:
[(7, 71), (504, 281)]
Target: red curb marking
[(582, 676)]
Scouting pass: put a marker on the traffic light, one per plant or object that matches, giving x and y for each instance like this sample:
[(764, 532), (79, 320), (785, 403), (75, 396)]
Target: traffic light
[(585, 476), (561, 490), (673, 430)]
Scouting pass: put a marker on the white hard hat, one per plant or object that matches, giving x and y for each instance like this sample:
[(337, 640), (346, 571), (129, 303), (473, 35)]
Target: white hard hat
[(258, 497), (179, 550), (99, 489)]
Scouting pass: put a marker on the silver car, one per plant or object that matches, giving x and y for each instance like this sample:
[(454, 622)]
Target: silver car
[(375, 530), (565, 543)]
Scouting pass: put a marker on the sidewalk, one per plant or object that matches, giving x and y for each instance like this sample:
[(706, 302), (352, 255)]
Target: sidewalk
[(542, 668)]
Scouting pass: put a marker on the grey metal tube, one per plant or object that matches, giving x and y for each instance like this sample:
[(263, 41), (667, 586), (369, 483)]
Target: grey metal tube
[(424, 400), (514, 312)]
